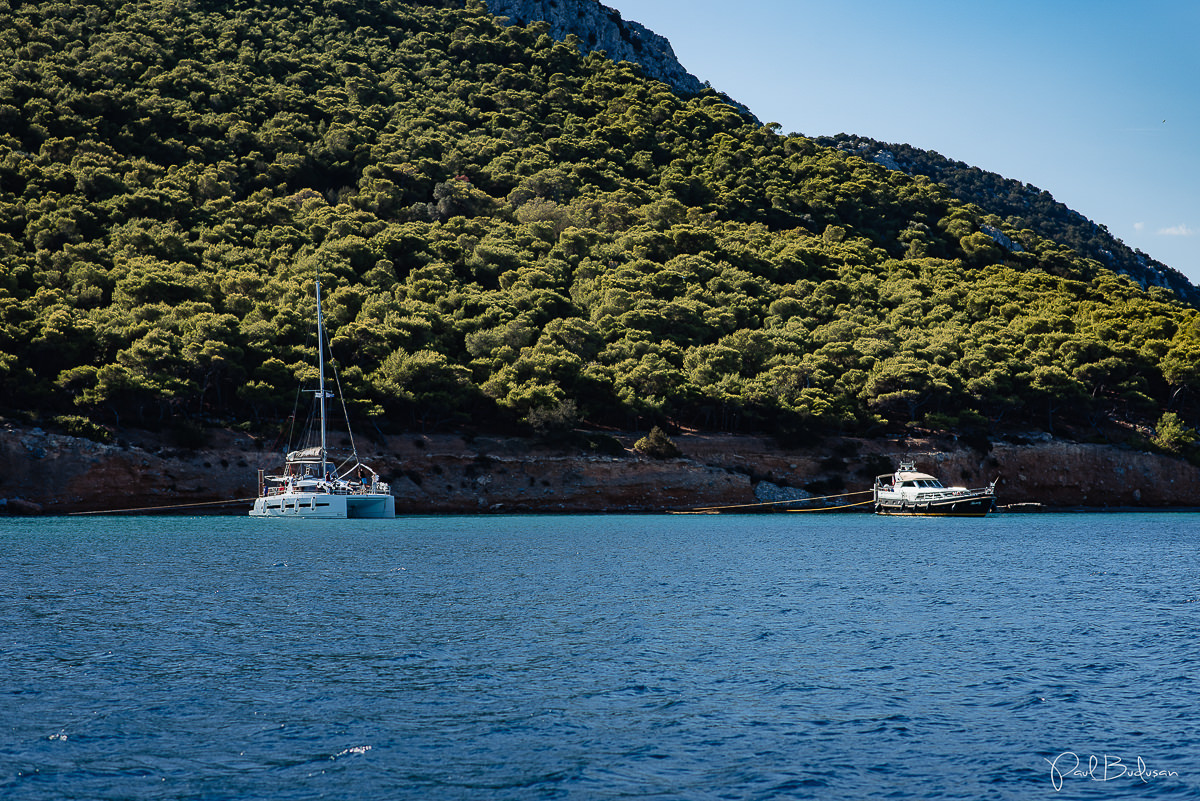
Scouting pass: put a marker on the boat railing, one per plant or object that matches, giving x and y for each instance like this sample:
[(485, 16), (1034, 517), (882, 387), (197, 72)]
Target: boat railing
[(926, 494), (953, 493), (344, 489), (352, 489)]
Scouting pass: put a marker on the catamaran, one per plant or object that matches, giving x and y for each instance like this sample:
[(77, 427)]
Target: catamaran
[(311, 483)]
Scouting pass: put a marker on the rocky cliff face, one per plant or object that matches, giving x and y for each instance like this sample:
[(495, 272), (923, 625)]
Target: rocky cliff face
[(602, 28), (57, 474)]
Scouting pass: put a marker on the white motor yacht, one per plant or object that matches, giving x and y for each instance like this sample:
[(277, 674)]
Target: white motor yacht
[(908, 492)]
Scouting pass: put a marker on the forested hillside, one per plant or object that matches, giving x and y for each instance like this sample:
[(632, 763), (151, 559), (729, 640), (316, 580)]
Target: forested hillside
[(511, 235), (1023, 205)]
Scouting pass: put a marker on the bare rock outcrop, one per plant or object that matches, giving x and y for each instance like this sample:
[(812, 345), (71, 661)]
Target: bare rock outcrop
[(602, 28), (449, 474), (48, 473), (56, 474)]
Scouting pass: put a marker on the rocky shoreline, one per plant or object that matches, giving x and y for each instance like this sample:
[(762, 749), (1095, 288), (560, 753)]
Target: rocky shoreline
[(48, 473)]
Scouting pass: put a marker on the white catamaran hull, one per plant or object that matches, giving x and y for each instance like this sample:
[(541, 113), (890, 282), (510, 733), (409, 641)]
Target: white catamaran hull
[(320, 506)]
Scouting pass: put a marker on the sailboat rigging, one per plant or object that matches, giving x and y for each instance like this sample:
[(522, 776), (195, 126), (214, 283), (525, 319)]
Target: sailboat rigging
[(310, 484)]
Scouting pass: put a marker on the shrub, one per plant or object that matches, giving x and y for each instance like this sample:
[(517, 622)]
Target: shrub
[(657, 445), (78, 426), (1172, 434)]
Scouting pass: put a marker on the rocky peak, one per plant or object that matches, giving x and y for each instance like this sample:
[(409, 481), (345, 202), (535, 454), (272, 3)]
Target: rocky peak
[(602, 28)]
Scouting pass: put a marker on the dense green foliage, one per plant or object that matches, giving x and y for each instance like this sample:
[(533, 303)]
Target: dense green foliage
[(510, 233), (1024, 206)]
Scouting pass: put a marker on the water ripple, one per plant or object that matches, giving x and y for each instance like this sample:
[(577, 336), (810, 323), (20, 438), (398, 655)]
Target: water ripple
[(598, 657)]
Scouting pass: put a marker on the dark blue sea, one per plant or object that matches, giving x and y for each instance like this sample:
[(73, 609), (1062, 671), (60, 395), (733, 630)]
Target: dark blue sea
[(781, 656)]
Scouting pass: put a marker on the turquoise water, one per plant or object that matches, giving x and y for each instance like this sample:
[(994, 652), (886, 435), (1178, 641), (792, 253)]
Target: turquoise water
[(695, 657)]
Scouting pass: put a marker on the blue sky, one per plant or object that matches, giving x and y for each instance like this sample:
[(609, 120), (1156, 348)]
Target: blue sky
[(1096, 102)]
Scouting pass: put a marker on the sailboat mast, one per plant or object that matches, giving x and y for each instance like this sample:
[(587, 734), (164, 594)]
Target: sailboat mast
[(321, 367)]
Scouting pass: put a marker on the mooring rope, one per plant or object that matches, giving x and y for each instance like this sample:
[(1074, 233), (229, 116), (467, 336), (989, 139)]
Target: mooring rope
[(161, 508), (776, 503), (832, 508)]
